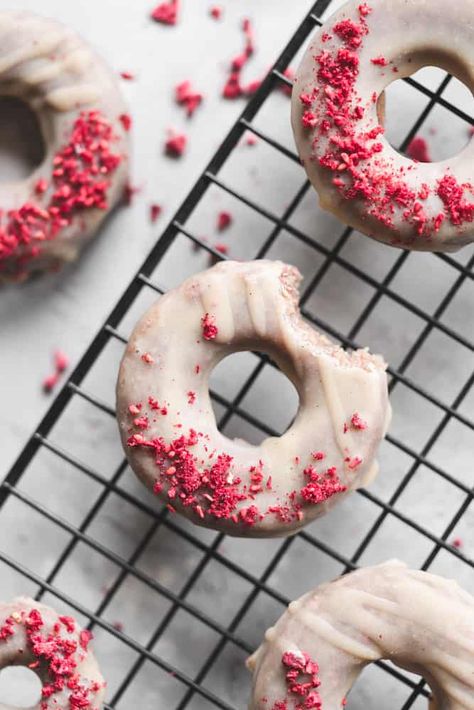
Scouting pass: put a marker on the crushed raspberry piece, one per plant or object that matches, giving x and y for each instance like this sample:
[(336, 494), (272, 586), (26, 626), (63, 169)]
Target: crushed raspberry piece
[(176, 145), (216, 12), (61, 361), (364, 10), (221, 248), (191, 397), (185, 96), (126, 121), (354, 462), (50, 382), (233, 87), (8, 629), (451, 193), (146, 357), (118, 626), (79, 182), (251, 140), (134, 408), (224, 220), (380, 61), (321, 487), (166, 12), (318, 455), (129, 193), (357, 422), (209, 328), (418, 149), (457, 543), (155, 211), (301, 676), (41, 186), (128, 76)]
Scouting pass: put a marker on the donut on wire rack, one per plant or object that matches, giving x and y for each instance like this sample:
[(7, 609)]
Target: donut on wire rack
[(421, 622), (336, 115), (46, 219), (56, 649), (168, 426)]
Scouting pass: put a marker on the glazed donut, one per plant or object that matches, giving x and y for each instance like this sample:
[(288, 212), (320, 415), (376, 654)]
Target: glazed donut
[(313, 655), (358, 175), (56, 649), (46, 219), (167, 423)]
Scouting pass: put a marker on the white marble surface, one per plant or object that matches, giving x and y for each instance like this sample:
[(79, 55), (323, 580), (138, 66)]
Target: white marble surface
[(68, 310)]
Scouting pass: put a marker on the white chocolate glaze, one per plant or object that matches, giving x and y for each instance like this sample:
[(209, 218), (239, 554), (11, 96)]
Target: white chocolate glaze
[(32, 633), (60, 77), (385, 195), (421, 622), (254, 306)]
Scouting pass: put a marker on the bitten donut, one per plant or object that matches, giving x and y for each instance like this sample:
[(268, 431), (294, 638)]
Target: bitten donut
[(46, 219), (313, 655), (358, 175), (56, 649), (168, 426)]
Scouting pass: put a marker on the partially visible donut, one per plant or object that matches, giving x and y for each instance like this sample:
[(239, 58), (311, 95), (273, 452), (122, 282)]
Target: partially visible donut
[(313, 655), (46, 219), (358, 175), (56, 649), (169, 430)]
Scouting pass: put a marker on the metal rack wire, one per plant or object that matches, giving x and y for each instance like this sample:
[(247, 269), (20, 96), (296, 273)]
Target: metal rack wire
[(194, 689)]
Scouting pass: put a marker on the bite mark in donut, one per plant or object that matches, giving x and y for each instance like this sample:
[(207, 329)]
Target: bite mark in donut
[(342, 145), (168, 426)]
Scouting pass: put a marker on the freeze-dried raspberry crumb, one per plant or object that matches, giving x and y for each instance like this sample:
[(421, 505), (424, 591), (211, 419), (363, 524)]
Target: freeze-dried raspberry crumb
[(364, 10), (216, 12), (191, 397), (302, 680), (166, 12), (221, 248), (155, 211), (224, 220), (233, 87), (209, 328), (176, 145), (452, 194), (126, 121), (357, 422), (251, 140), (8, 629), (128, 76), (41, 186), (380, 61), (289, 74), (146, 357), (61, 361), (187, 97), (418, 149), (457, 543), (50, 382), (118, 626), (129, 192), (321, 487)]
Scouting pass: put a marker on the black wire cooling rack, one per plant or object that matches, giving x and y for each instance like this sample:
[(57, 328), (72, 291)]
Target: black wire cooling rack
[(229, 626)]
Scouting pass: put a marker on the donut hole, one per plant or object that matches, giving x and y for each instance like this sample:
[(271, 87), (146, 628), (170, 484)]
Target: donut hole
[(22, 146), (19, 687), (443, 134), (272, 400)]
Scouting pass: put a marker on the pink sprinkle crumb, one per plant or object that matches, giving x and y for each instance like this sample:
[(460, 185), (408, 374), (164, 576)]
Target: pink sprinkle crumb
[(380, 61), (166, 12), (187, 97), (357, 422), (126, 121), (50, 382), (146, 357), (176, 145), (155, 211), (209, 328), (224, 220), (61, 361), (216, 12), (418, 149)]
